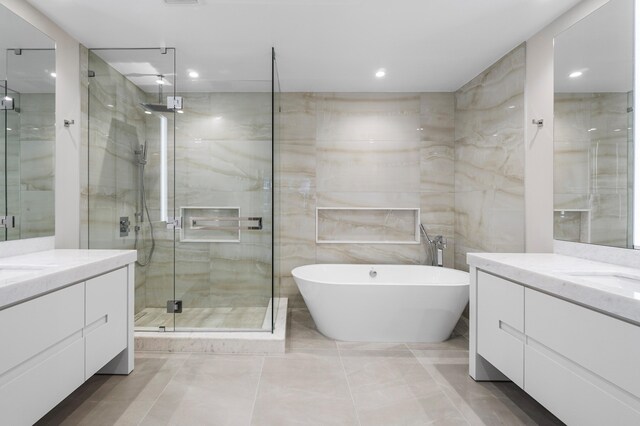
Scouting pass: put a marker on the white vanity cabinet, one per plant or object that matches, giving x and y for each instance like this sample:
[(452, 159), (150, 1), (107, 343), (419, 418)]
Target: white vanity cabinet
[(501, 325), (52, 343), (581, 364)]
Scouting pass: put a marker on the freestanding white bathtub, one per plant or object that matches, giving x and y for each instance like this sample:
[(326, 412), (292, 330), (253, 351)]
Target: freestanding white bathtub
[(402, 303)]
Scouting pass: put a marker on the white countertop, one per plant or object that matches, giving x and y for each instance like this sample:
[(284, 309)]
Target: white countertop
[(29, 275), (554, 274)]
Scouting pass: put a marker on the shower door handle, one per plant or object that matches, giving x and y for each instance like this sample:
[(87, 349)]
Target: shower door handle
[(196, 223)]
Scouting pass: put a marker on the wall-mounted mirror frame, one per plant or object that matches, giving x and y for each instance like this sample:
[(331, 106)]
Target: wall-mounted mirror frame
[(594, 132), (27, 132)]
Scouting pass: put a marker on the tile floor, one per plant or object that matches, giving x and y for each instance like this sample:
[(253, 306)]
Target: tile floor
[(317, 382)]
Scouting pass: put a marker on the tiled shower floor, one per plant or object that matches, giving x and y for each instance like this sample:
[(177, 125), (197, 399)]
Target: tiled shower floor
[(202, 318), (317, 382)]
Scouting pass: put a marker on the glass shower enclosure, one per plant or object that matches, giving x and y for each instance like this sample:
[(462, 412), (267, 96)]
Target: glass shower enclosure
[(181, 169)]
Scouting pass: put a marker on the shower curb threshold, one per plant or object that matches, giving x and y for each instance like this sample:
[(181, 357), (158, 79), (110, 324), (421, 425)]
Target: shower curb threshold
[(223, 342)]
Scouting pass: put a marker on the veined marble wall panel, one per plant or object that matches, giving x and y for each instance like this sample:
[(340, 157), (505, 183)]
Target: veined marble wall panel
[(225, 116), (489, 160), (376, 150), (366, 225)]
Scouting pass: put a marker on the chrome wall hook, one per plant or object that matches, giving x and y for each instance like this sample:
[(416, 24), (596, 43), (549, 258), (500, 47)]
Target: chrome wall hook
[(539, 123), (68, 123)]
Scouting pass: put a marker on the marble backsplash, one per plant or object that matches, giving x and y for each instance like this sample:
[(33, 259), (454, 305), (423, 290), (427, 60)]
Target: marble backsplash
[(489, 160)]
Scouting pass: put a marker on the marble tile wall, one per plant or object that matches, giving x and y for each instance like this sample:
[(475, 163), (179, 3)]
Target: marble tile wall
[(489, 160), (372, 150), (591, 167), (363, 150)]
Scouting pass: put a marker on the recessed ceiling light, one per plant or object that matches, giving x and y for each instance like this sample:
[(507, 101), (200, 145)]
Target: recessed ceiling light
[(160, 81), (110, 106), (575, 74), (180, 111), (617, 130), (148, 112), (592, 129), (511, 106), (53, 74), (193, 74), (381, 73), (9, 128)]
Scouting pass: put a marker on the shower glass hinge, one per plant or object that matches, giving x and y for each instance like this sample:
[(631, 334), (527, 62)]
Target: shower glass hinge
[(7, 221), (174, 306), (174, 222), (6, 103), (174, 102)]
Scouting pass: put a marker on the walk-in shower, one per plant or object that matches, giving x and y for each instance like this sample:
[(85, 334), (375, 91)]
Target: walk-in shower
[(182, 170)]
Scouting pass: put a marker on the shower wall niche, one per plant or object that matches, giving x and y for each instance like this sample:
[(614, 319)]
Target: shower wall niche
[(209, 165)]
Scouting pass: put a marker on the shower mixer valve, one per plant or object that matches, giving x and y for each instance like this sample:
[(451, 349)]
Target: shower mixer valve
[(125, 226)]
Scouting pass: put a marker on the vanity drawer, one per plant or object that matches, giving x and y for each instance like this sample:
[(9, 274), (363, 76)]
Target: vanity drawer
[(576, 400), (106, 323), (606, 346), (40, 326), (500, 325)]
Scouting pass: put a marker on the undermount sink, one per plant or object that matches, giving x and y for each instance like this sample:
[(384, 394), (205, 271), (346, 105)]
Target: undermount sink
[(610, 279)]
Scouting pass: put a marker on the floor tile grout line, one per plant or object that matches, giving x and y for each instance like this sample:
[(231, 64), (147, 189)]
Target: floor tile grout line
[(346, 378), (255, 398), (155, 401), (440, 386)]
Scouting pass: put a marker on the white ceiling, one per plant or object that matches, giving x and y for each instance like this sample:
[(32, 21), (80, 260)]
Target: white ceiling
[(322, 45), (601, 47)]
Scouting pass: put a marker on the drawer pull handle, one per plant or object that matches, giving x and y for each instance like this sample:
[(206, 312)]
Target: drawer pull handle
[(511, 331), (96, 324)]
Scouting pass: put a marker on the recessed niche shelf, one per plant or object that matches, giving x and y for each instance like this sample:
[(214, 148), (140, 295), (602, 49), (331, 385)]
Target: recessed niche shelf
[(572, 225), (190, 233), (367, 225)]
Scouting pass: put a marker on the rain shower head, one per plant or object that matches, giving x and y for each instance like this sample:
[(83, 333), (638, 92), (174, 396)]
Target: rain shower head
[(159, 107), (156, 107)]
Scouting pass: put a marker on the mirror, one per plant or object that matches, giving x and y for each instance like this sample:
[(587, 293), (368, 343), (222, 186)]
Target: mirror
[(593, 128), (27, 129)]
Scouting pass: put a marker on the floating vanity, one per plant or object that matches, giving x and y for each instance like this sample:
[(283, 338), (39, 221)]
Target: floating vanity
[(65, 315), (564, 329)]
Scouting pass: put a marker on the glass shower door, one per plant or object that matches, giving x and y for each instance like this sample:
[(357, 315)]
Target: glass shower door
[(224, 195), (130, 158)]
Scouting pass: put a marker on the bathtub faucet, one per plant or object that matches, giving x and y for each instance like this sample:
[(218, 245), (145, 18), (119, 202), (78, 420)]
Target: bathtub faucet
[(435, 247)]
